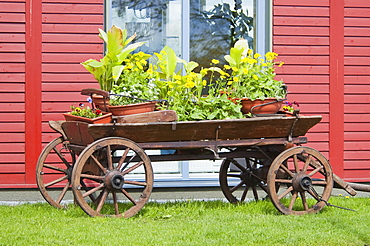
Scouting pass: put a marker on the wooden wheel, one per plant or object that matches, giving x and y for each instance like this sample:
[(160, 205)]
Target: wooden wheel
[(53, 172), (305, 179), (240, 176), (112, 177)]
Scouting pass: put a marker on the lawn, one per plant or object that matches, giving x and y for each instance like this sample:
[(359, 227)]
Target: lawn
[(189, 223)]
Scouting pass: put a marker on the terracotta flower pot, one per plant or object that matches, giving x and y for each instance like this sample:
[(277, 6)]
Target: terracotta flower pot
[(100, 102), (136, 108), (272, 107), (105, 118)]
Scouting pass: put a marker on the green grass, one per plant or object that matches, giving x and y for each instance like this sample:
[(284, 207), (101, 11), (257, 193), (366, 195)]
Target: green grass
[(188, 223)]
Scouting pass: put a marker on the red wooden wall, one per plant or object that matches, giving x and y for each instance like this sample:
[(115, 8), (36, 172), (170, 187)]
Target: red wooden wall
[(325, 45)]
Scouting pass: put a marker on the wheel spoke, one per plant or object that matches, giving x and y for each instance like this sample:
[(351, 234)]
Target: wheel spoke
[(292, 200), (255, 193), (63, 193), (263, 187), (97, 162), (102, 200), (92, 177), (307, 163), (284, 181), (316, 170), (128, 170), (122, 159), (89, 192), (245, 192), (56, 181), (135, 183), (237, 186), (239, 166), (286, 170), (304, 201), (115, 202), (109, 157), (62, 157), (319, 182), (295, 161), (55, 168), (286, 192), (128, 196)]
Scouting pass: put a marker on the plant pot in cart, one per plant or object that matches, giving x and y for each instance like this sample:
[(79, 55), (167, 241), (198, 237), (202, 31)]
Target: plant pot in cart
[(105, 118), (128, 109), (272, 106), (100, 102)]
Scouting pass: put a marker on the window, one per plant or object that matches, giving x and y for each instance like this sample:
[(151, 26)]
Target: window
[(197, 30)]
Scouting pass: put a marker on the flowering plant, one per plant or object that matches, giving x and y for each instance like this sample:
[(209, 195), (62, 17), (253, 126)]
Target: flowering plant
[(288, 106), (250, 75), (86, 112)]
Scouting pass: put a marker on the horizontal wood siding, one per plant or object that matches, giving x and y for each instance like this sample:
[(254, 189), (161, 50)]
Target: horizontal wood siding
[(301, 38), (12, 92), (357, 90)]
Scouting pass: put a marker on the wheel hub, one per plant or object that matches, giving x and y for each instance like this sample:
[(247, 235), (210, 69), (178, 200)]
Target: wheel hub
[(302, 182), (114, 180)]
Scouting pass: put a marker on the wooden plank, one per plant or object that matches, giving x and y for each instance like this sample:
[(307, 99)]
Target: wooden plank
[(12, 138), (356, 176), (12, 116), (301, 21), (12, 127), (12, 47), (74, 1), (356, 12), (12, 77), (296, 69), (357, 155), (156, 116), (63, 68), (13, 7), (356, 51), (300, 11), (357, 70), (12, 148), (356, 108), (12, 158), (357, 145), (302, 3), (12, 27), (357, 136), (59, 77), (11, 97), (14, 179), (308, 88), (201, 130), (357, 3), (72, 28), (301, 31), (303, 60), (357, 41), (303, 79), (301, 41), (72, 87), (355, 79), (12, 87), (68, 57), (63, 96), (357, 89), (356, 22), (12, 17), (357, 31), (79, 8), (12, 67), (11, 58), (72, 18), (75, 48), (360, 164), (10, 168), (357, 99), (357, 118), (71, 38), (300, 49)]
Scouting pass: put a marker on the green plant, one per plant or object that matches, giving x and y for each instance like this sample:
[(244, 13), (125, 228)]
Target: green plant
[(86, 112), (135, 81), (249, 75), (108, 69)]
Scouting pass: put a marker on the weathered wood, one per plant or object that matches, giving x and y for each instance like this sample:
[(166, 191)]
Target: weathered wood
[(90, 91), (156, 116), (77, 133), (57, 126), (248, 128), (360, 187)]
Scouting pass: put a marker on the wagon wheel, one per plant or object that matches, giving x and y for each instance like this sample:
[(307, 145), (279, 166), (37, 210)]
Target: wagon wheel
[(118, 176), (53, 172), (237, 178), (305, 178)]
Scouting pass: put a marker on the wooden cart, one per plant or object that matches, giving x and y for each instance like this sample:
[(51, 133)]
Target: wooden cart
[(110, 172)]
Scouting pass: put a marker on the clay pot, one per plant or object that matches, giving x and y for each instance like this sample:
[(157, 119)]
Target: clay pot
[(128, 109), (272, 106), (105, 118), (100, 102)]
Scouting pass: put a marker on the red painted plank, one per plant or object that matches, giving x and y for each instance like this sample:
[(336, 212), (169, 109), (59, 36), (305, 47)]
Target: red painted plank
[(11, 77), (12, 47), (357, 126), (357, 31), (357, 3), (293, 40), (356, 51), (10, 168), (74, 1), (301, 11), (308, 88), (358, 164), (11, 148), (357, 12), (12, 116), (78, 48), (354, 79), (62, 97), (12, 138), (68, 57), (357, 145), (312, 79), (72, 18), (303, 60), (73, 87), (12, 68), (11, 58), (357, 41), (12, 7), (301, 50), (301, 31), (357, 70), (301, 21), (356, 176), (357, 89), (356, 22), (302, 2), (73, 8), (55, 77), (71, 38), (11, 97), (357, 98), (358, 155), (12, 127), (11, 87), (303, 69), (356, 118), (11, 158), (71, 28), (14, 179), (356, 109), (63, 68), (357, 136), (12, 27), (12, 17)]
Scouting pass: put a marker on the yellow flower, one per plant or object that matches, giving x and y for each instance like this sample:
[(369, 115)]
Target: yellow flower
[(227, 67), (141, 54), (139, 65), (281, 63), (255, 77), (264, 64), (271, 55), (236, 79), (256, 56), (230, 82), (215, 61), (245, 71), (234, 69), (77, 110), (190, 84), (177, 77), (204, 82)]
